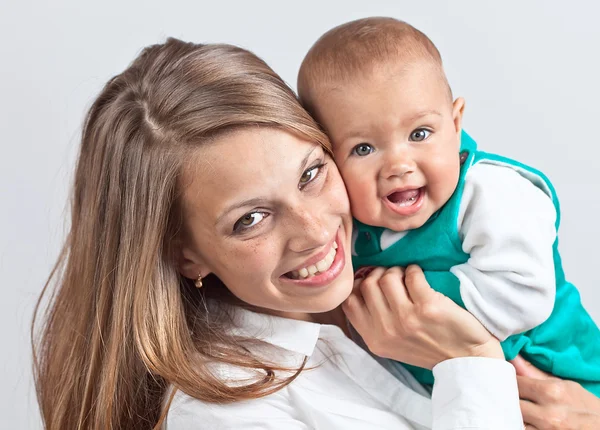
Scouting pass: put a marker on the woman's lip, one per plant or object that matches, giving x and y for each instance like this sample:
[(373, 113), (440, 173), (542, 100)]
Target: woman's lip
[(406, 210), (329, 275), (318, 257)]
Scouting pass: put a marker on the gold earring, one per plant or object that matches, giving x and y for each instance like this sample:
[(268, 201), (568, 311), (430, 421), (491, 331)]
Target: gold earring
[(198, 282)]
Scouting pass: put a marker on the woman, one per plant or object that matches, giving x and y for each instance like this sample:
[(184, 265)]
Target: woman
[(202, 189)]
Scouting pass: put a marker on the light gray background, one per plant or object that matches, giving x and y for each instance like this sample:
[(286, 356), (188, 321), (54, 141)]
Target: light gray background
[(529, 71)]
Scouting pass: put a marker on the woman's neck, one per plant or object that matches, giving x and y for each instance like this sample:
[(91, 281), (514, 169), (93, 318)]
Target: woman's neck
[(334, 317)]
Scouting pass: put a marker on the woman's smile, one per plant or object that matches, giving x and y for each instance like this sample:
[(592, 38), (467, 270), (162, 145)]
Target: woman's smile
[(320, 269)]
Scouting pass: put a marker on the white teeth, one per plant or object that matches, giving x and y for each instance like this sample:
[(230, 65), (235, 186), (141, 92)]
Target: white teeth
[(320, 266), (408, 202)]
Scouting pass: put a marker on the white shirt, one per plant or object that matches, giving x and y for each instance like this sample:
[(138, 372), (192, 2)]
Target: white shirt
[(507, 226), (344, 387)]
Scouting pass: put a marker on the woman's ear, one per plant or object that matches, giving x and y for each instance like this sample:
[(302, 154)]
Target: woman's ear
[(190, 264), (458, 108)]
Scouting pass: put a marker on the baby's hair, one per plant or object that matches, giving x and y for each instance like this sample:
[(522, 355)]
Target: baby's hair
[(357, 48)]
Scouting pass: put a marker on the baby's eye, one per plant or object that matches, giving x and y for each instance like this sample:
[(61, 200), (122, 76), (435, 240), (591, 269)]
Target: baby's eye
[(249, 220), (362, 149), (419, 135)]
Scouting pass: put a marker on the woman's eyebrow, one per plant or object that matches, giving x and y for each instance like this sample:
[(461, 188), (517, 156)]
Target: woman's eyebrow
[(255, 201), (305, 160)]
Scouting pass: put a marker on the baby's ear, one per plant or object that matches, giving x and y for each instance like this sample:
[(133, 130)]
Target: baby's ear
[(458, 108)]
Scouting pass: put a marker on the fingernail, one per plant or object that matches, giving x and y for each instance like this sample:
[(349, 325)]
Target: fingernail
[(363, 272)]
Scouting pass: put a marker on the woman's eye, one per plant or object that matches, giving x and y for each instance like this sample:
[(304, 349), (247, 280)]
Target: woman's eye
[(249, 220), (419, 135), (309, 175), (362, 149)]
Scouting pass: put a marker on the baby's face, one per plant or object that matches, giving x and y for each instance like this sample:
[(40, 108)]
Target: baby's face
[(396, 140)]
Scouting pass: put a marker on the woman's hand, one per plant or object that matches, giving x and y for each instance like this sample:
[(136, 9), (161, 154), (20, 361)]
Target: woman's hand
[(400, 317), (549, 403)]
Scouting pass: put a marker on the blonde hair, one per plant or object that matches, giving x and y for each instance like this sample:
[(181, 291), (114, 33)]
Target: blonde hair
[(356, 48), (120, 325)]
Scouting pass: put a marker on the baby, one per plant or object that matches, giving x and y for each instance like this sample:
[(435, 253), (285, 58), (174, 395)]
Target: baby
[(483, 227)]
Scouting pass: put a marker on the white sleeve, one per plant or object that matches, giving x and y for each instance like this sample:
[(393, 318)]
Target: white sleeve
[(475, 393), (507, 226), (273, 412)]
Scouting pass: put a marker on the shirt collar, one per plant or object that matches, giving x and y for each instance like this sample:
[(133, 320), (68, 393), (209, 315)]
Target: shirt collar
[(292, 335)]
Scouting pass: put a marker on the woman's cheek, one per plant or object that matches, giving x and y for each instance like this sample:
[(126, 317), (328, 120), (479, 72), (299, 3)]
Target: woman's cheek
[(337, 192)]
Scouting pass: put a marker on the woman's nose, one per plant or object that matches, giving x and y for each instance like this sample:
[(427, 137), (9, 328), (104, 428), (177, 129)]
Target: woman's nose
[(309, 230)]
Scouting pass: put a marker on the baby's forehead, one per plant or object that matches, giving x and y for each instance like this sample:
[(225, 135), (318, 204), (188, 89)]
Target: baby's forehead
[(381, 102), (397, 69), (399, 80)]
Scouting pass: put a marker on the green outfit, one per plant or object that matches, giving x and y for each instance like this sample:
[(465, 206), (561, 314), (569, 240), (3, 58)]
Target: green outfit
[(567, 344)]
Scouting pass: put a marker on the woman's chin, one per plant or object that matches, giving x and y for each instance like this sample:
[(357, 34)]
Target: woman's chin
[(328, 300), (335, 295)]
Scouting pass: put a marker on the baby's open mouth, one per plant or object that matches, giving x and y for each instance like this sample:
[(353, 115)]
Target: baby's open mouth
[(405, 197)]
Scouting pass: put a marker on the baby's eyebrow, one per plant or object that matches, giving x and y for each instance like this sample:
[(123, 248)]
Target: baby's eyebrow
[(352, 134), (421, 114)]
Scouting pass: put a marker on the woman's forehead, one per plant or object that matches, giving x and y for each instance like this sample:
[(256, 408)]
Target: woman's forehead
[(246, 164)]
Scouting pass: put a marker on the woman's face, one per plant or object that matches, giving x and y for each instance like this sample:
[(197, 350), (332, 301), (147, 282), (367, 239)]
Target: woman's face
[(268, 214)]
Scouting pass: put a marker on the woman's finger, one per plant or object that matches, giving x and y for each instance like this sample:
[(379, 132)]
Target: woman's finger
[(394, 290), (538, 417), (375, 272), (529, 389), (374, 298), (525, 368), (355, 310), (363, 272), (416, 285), (532, 415), (542, 391)]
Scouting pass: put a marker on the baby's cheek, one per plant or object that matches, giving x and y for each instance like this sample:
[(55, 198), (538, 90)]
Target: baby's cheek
[(363, 208), (443, 186), (357, 192)]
